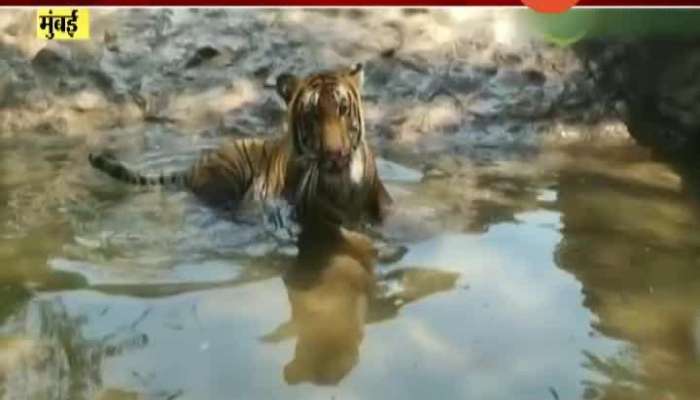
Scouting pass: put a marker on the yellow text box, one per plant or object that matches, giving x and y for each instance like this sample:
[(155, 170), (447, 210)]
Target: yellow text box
[(63, 23)]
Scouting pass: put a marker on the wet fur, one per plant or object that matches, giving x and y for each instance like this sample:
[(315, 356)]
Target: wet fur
[(293, 166)]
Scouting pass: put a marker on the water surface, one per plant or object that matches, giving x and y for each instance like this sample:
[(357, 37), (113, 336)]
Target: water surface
[(566, 274)]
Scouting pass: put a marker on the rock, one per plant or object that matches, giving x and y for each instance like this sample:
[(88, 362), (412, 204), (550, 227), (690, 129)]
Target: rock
[(534, 76), (101, 79), (110, 41), (201, 55), (653, 82), (52, 61)]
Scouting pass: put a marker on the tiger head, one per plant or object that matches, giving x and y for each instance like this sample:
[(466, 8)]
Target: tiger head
[(325, 115)]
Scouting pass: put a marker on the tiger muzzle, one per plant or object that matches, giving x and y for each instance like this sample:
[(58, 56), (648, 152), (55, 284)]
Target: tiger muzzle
[(336, 161)]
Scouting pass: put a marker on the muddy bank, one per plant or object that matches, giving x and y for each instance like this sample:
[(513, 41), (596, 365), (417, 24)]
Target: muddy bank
[(435, 79)]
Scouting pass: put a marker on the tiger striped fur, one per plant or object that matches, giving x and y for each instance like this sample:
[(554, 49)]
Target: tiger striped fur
[(323, 165)]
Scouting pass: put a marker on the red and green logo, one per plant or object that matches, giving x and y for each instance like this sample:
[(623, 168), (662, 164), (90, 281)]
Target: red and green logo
[(550, 6)]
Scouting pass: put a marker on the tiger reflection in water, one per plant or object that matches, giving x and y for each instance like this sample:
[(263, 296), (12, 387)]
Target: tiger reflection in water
[(329, 287), (333, 292)]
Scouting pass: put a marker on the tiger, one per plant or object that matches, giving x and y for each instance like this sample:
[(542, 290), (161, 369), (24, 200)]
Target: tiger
[(322, 165)]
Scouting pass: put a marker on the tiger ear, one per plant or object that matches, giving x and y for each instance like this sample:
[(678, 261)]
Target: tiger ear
[(286, 85), (357, 74)]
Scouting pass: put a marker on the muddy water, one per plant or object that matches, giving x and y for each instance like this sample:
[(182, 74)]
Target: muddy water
[(533, 269), (552, 274)]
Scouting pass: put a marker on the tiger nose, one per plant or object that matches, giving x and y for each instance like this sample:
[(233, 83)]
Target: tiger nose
[(338, 158)]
